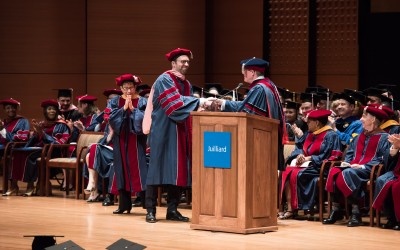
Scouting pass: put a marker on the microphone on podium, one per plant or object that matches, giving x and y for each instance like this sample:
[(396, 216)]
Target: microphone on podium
[(232, 90)]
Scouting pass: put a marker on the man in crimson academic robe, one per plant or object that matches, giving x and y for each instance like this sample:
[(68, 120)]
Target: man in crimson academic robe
[(171, 101), (369, 148)]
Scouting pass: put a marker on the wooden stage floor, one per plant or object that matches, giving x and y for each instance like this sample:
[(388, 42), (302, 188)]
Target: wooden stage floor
[(93, 226)]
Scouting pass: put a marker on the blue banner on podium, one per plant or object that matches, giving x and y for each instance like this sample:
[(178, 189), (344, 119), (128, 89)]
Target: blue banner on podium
[(217, 149)]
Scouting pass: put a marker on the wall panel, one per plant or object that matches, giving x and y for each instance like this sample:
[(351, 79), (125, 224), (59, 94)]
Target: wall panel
[(288, 41), (134, 36), (42, 36), (31, 89), (337, 42), (233, 34)]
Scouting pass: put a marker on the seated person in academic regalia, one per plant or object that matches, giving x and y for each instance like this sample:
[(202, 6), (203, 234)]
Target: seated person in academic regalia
[(359, 98), (347, 181), (88, 112), (99, 159), (144, 90), (14, 127), (87, 122), (391, 126), (292, 119), (396, 109), (387, 187), (392, 93), (227, 94), (286, 95), (308, 102), (388, 90), (50, 130), (346, 124), (376, 96), (68, 111), (299, 180), (197, 91), (323, 96), (109, 94), (213, 89)]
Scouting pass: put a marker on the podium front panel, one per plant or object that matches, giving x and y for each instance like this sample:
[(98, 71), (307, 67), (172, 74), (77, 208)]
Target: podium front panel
[(218, 187), (241, 199)]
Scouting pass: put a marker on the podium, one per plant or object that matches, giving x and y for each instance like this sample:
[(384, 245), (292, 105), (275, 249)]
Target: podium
[(243, 198)]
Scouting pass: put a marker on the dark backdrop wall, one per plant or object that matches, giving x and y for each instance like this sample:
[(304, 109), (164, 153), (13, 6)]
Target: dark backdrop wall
[(380, 50)]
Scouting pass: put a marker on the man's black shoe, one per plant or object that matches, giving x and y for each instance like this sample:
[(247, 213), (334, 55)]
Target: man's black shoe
[(333, 217), (389, 225), (151, 217), (396, 227), (137, 202), (355, 220), (176, 216), (108, 202)]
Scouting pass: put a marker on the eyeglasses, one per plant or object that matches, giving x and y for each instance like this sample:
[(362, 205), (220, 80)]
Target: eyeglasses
[(128, 88), (184, 61)]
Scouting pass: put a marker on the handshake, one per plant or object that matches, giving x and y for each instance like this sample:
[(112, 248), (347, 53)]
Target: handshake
[(210, 104)]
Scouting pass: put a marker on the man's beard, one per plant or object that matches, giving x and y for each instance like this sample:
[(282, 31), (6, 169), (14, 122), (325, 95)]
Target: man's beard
[(65, 107), (183, 71)]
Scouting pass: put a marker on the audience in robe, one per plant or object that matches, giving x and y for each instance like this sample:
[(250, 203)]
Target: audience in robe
[(50, 130)]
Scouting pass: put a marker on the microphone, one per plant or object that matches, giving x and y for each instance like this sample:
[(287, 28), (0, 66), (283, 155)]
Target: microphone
[(230, 91)]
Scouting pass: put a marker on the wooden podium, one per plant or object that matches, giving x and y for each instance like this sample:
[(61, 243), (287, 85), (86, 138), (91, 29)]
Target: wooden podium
[(242, 199)]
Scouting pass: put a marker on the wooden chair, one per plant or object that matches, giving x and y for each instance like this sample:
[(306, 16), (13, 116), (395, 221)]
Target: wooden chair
[(5, 161), (71, 163), (369, 187), (321, 188), (41, 163), (288, 148), (377, 213), (322, 183)]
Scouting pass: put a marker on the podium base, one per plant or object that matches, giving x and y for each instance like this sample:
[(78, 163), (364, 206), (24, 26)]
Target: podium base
[(234, 230)]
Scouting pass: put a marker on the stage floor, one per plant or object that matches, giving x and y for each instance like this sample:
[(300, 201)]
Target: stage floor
[(93, 226)]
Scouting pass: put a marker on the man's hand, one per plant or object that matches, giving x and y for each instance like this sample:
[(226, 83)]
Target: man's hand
[(215, 104), (356, 166), (79, 125), (332, 122), (110, 133), (1, 125), (128, 102), (300, 159), (395, 140), (207, 103), (297, 131), (37, 127)]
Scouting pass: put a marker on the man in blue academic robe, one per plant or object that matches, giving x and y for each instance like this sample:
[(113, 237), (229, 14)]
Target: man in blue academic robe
[(262, 99), (370, 148), (170, 135)]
